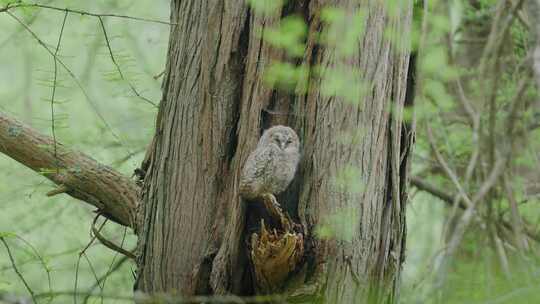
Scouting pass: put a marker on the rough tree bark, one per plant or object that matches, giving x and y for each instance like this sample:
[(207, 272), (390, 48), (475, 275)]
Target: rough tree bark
[(192, 231)]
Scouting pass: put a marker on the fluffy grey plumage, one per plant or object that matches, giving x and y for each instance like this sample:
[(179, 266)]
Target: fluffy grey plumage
[(271, 167)]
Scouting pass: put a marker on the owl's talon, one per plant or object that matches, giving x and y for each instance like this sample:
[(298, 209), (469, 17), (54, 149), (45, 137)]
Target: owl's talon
[(275, 202)]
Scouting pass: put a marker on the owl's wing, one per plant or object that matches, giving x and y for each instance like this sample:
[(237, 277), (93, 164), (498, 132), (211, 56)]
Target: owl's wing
[(258, 168), (259, 162)]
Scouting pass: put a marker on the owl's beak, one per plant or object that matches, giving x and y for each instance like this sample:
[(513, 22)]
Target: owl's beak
[(282, 145)]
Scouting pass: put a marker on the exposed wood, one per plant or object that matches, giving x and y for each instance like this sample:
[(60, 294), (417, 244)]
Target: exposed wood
[(274, 256), (275, 253), (74, 172)]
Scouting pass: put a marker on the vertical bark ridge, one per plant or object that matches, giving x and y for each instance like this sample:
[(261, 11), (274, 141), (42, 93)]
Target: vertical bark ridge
[(352, 264), (191, 145)]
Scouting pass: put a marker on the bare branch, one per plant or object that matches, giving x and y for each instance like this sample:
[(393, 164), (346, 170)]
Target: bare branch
[(10, 6), (451, 174), (448, 198), (101, 186), (433, 190), (517, 224)]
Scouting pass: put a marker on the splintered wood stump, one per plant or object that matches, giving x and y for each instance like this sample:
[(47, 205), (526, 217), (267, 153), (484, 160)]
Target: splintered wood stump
[(275, 254)]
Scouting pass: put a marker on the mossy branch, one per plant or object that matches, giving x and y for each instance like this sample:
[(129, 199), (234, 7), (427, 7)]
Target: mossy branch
[(76, 173)]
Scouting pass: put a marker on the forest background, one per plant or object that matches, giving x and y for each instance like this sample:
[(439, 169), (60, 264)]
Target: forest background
[(495, 262)]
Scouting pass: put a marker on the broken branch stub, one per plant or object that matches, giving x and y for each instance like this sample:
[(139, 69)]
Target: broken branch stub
[(275, 254)]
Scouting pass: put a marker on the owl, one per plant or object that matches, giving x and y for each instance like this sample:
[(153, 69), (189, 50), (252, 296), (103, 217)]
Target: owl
[(271, 167)]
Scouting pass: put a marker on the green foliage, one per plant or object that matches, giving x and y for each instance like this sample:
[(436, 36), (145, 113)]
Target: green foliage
[(57, 227), (336, 82), (343, 31), (286, 76), (340, 225), (289, 35), (7, 234), (349, 180), (266, 6), (448, 80)]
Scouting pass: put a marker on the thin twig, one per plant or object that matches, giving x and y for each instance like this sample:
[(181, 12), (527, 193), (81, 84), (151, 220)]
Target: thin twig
[(112, 263), (449, 172), (10, 6), (54, 87), (116, 266), (92, 239), (42, 262), (110, 244), (111, 54), (19, 274), (92, 269), (72, 75), (75, 291)]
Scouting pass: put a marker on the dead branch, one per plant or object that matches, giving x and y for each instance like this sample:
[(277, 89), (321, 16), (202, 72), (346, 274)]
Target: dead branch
[(275, 254), (274, 257)]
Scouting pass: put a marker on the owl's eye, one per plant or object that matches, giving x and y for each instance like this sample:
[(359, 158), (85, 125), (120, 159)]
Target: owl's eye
[(289, 141)]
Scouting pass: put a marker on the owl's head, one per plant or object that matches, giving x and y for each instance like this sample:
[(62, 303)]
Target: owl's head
[(283, 137)]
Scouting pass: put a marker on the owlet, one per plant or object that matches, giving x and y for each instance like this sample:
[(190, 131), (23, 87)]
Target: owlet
[(271, 167)]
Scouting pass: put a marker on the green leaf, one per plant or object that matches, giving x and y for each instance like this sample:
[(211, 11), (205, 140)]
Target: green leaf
[(289, 35), (6, 286), (266, 6), (434, 60), (341, 225), (286, 76), (343, 30), (7, 234), (349, 179), (342, 82)]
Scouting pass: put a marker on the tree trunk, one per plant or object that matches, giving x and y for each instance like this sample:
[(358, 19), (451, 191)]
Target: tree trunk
[(192, 224)]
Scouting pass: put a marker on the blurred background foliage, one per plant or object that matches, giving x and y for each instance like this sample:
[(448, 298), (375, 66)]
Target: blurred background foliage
[(457, 67), (110, 123)]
